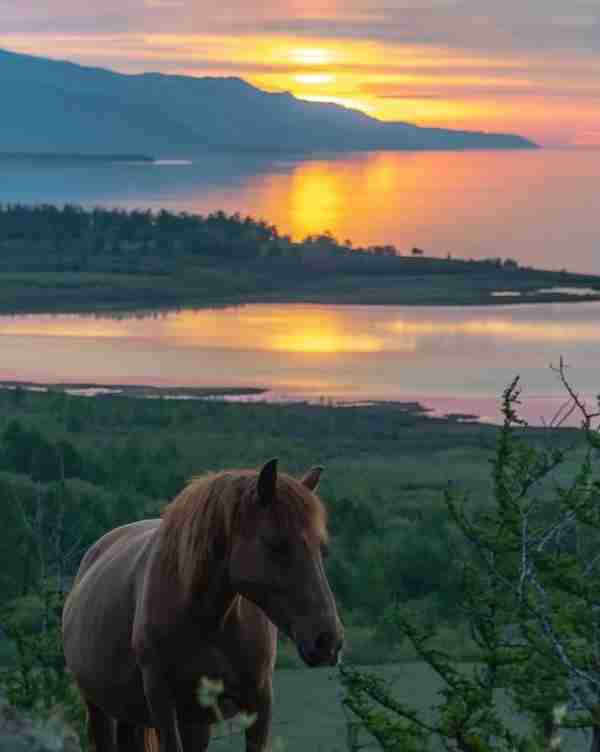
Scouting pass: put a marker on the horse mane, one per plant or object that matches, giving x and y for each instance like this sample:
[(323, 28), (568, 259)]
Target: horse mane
[(202, 522)]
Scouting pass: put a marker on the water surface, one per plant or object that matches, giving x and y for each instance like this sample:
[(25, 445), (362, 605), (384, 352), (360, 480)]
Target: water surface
[(451, 359)]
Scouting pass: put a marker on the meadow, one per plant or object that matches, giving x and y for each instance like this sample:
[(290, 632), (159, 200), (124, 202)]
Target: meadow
[(308, 714)]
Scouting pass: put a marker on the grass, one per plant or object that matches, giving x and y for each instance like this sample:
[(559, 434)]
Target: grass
[(43, 285), (308, 714), (52, 292)]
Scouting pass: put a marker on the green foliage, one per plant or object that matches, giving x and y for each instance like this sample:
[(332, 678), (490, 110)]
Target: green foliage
[(37, 680), (529, 594)]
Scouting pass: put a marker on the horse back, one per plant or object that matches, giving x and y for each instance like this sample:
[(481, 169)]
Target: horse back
[(128, 532)]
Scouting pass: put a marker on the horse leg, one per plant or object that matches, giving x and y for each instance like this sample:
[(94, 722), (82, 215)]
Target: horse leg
[(162, 709), (258, 734), (195, 737), (100, 728), (130, 738)]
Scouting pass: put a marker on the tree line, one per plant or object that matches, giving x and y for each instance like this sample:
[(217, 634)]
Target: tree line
[(73, 238)]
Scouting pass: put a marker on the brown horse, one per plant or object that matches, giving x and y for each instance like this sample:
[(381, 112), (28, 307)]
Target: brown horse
[(159, 604)]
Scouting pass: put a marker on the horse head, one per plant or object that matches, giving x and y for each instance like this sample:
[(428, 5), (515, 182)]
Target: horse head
[(276, 561)]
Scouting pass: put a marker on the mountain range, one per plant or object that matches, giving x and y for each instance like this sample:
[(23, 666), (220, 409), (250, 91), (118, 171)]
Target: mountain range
[(60, 107)]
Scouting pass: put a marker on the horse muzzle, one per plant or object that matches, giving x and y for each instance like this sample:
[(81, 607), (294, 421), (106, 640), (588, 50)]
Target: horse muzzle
[(323, 651)]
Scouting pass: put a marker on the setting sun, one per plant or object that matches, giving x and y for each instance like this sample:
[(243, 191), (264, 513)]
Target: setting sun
[(312, 56)]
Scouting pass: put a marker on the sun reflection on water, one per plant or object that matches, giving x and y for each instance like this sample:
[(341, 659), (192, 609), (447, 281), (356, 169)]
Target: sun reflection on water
[(340, 352), (311, 328)]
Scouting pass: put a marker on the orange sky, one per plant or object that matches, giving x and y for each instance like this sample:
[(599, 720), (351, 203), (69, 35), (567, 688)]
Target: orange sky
[(530, 67)]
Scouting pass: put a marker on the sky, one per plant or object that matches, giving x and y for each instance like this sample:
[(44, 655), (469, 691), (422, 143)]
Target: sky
[(525, 66)]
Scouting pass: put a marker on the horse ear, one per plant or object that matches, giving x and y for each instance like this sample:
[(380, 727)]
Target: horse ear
[(267, 483), (312, 477)]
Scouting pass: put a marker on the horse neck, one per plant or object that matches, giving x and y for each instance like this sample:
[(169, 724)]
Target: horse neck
[(213, 600), (207, 604)]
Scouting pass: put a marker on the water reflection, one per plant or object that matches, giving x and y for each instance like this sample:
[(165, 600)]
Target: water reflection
[(442, 356), (500, 328), (319, 329), (291, 329)]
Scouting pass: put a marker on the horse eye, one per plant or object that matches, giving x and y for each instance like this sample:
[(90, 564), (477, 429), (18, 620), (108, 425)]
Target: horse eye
[(279, 548)]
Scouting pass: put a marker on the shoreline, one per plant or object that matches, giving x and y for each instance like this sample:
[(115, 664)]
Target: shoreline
[(146, 391), (58, 158), (254, 394), (477, 410), (415, 406), (132, 308)]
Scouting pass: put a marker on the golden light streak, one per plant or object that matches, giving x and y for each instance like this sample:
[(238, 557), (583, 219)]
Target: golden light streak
[(348, 102), (318, 79), (317, 199), (318, 341), (509, 329)]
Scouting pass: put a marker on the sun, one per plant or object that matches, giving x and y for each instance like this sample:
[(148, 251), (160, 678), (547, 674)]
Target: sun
[(312, 55)]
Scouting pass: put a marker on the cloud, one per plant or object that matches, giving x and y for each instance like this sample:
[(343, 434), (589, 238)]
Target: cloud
[(164, 4), (483, 90), (509, 26), (69, 16), (482, 25)]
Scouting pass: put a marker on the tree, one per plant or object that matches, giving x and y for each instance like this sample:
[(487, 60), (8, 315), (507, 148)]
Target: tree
[(531, 598)]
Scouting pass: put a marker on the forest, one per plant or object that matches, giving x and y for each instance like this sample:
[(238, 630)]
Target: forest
[(76, 467), (70, 258)]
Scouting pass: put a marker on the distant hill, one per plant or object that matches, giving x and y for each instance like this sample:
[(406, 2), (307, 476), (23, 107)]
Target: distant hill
[(58, 107)]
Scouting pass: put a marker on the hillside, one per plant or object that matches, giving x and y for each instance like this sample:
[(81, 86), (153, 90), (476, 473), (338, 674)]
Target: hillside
[(60, 107)]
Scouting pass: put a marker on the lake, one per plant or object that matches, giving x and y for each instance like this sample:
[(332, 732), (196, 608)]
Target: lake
[(539, 207), (453, 360)]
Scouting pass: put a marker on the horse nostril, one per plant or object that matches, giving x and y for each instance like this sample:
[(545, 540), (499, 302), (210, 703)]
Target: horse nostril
[(325, 643)]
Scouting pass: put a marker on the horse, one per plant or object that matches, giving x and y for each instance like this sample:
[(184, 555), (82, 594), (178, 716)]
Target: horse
[(160, 604)]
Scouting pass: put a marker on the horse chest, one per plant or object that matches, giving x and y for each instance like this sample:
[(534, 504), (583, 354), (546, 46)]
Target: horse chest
[(205, 661)]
